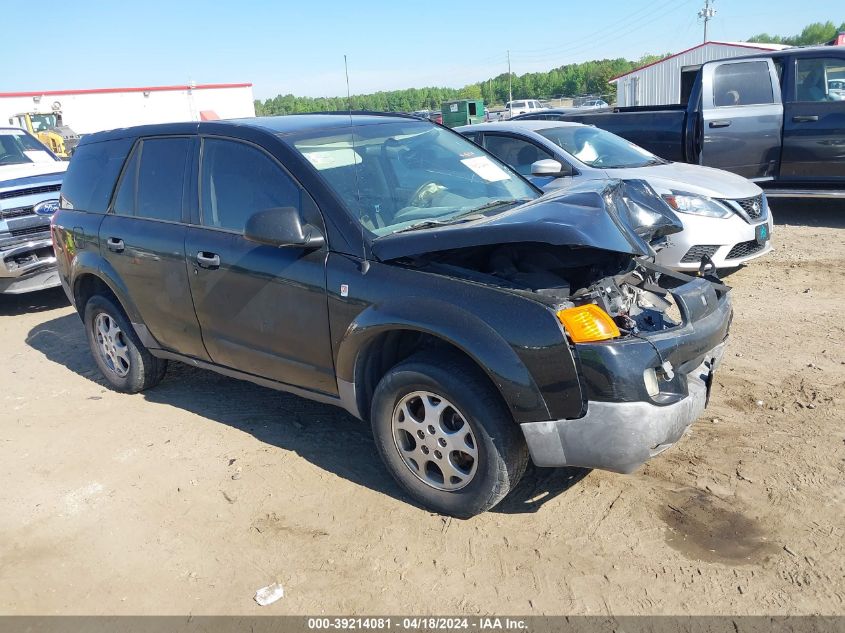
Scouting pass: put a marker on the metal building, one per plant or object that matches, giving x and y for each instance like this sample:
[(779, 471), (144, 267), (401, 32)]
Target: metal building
[(659, 83), (92, 110)]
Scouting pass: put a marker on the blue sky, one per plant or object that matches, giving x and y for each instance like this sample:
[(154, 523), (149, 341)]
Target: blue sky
[(298, 47)]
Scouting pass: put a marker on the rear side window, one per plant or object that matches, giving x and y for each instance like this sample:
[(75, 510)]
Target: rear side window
[(238, 180), (89, 180), (744, 83), (154, 180)]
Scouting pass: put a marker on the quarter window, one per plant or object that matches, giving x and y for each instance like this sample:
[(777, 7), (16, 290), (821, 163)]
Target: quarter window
[(153, 181), (743, 83), (238, 180), (89, 180)]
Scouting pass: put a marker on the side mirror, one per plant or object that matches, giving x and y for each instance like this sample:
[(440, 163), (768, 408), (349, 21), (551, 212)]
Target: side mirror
[(282, 226), (550, 167)]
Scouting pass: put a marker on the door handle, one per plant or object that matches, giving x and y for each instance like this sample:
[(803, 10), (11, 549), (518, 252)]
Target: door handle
[(208, 260), (720, 123), (805, 118), (115, 244)]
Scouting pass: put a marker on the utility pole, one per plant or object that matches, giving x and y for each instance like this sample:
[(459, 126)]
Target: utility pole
[(706, 14), (510, 84)]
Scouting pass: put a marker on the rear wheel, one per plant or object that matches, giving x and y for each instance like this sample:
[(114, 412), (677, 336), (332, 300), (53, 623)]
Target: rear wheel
[(123, 360), (446, 436)]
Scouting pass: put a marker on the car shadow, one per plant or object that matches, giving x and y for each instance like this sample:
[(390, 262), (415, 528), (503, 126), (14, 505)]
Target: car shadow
[(808, 212), (29, 302), (325, 435)]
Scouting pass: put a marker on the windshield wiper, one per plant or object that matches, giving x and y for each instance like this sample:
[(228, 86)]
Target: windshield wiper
[(427, 224), (497, 203)]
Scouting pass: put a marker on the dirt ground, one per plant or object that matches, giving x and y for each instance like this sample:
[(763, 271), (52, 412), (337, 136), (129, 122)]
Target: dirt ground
[(188, 498)]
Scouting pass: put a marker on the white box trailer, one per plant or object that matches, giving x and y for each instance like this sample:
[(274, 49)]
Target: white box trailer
[(93, 110)]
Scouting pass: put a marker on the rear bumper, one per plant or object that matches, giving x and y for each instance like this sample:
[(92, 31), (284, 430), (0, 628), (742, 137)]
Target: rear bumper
[(28, 267), (621, 436)]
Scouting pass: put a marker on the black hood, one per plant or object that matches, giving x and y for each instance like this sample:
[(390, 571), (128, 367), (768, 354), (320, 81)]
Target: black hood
[(612, 215)]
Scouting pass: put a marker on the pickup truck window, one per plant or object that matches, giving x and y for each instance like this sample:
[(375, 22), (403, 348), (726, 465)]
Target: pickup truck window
[(394, 175), (238, 180), (744, 83), (597, 148), (90, 177), (820, 79), (153, 180)]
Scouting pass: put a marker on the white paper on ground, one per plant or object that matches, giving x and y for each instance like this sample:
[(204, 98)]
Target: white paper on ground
[(486, 168), (269, 594)]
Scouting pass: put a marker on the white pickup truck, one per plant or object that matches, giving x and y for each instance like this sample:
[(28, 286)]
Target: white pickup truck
[(524, 106), (30, 180)]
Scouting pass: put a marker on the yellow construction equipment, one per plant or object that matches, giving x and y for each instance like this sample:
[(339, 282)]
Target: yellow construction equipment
[(49, 129)]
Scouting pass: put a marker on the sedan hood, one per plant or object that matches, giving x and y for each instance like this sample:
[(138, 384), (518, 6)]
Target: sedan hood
[(695, 179), (603, 214)]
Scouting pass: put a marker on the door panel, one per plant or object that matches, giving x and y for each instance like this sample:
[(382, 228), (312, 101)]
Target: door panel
[(743, 116), (152, 265), (814, 122), (263, 309)]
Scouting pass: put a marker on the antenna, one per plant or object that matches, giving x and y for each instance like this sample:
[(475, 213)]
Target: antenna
[(707, 14), (365, 265)]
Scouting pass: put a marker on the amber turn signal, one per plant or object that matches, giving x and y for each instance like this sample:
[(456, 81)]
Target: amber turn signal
[(588, 323)]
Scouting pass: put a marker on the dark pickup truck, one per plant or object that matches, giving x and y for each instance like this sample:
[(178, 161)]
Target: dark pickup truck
[(389, 266), (776, 118)]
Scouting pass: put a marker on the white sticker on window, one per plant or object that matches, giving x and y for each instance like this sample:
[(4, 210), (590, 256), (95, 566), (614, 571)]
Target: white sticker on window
[(330, 159), (38, 156), (453, 107), (486, 168)]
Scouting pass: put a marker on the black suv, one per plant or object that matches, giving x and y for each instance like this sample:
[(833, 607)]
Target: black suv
[(392, 267)]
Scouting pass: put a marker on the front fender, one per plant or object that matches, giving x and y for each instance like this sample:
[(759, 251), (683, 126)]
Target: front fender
[(457, 327)]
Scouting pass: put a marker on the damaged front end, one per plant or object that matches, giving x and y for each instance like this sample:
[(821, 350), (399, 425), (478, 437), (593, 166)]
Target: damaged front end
[(651, 341)]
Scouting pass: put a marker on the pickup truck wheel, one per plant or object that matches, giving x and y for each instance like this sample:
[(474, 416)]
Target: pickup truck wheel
[(446, 436), (117, 350)]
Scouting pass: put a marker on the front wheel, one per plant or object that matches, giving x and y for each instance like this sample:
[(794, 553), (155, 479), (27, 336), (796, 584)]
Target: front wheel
[(446, 436), (123, 360)]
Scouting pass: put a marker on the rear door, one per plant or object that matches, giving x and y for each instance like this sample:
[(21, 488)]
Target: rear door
[(263, 310), (143, 239), (743, 115), (814, 120)]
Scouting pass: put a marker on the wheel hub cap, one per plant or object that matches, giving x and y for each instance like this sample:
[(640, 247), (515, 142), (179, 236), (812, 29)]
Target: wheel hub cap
[(112, 344), (435, 441)]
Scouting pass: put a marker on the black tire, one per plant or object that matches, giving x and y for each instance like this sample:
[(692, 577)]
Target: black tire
[(144, 370), (501, 451)]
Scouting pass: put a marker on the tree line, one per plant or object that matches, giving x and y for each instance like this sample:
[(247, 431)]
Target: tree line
[(587, 78)]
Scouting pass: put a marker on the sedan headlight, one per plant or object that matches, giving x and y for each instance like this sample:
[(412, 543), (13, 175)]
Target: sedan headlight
[(683, 202)]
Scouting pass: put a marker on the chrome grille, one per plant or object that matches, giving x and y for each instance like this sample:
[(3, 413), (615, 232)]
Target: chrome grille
[(30, 230), (19, 212), (744, 249), (17, 193), (695, 253), (753, 207)]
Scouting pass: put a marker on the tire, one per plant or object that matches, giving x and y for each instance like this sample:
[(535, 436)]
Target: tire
[(454, 482), (123, 360)]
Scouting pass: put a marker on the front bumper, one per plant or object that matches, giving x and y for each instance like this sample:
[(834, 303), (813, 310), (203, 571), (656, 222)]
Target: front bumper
[(720, 236), (28, 267), (621, 436)]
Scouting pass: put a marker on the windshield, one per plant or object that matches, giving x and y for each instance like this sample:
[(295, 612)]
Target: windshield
[(598, 148), (410, 174), (42, 122), (17, 148)]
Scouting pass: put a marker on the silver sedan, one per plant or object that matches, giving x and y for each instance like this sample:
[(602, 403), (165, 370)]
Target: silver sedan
[(726, 217)]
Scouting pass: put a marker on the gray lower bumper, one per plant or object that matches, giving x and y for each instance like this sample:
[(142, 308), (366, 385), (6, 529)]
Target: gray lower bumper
[(620, 436), (28, 267)]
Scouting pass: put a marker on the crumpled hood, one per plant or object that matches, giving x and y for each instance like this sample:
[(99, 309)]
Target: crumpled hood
[(18, 175), (587, 215), (695, 179)]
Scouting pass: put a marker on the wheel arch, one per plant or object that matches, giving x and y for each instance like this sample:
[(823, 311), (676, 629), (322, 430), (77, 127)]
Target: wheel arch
[(384, 335)]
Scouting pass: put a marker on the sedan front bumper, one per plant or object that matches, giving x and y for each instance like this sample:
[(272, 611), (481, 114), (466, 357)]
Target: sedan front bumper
[(621, 436)]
